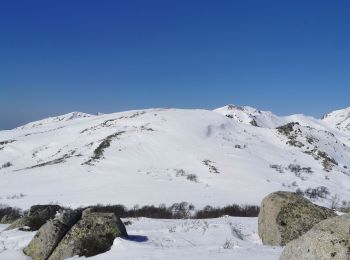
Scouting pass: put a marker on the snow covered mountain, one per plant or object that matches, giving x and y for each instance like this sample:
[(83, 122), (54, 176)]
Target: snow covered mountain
[(229, 155), (250, 115), (339, 119)]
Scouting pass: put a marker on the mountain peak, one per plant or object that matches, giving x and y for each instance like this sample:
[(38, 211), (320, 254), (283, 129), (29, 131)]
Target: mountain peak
[(338, 113), (65, 117), (74, 115), (250, 115), (339, 119)]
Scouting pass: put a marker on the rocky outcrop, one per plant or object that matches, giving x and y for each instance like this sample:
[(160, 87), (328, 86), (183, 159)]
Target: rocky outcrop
[(37, 216), (50, 234), (285, 216), (329, 239)]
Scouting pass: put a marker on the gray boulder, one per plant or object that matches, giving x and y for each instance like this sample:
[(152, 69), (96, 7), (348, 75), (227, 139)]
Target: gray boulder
[(23, 223), (285, 216), (93, 234), (329, 239), (44, 211), (50, 234), (36, 217)]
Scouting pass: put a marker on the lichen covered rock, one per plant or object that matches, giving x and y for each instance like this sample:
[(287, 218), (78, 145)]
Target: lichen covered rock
[(329, 239), (50, 234), (285, 216), (93, 234)]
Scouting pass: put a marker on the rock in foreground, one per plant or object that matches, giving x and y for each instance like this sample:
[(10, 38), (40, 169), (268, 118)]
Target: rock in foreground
[(93, 234), (329, 239), (285, 216), (50, 234)]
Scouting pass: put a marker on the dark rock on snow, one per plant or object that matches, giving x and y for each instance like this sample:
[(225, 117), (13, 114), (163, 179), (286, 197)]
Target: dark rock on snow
[(36, 217)]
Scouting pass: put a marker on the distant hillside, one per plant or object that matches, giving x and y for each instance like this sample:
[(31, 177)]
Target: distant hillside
[(229, 155)]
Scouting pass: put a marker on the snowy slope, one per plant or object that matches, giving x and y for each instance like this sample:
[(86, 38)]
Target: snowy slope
[(170, 155)]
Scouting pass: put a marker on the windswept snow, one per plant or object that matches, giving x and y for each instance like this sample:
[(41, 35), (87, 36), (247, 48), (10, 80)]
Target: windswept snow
[(12, 243), (170, 155), (222, 238)]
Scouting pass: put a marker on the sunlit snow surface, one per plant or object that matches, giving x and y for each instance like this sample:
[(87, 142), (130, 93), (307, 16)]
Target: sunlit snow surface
[(12, 242), (152, 152), (221, 238)]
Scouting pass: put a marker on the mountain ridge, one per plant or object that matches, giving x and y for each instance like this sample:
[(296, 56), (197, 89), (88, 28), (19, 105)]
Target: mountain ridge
[(147, 156)]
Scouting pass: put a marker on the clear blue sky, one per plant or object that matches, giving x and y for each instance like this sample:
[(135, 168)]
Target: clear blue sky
[(108, 56)]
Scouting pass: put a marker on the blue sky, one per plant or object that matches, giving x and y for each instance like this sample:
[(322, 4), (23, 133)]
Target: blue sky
[(108, 56)]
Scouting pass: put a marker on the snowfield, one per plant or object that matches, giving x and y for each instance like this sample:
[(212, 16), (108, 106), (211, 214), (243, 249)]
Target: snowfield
[(12, 243), (221, 238), (229, 155)]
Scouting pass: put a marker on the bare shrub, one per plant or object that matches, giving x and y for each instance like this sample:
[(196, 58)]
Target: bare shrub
[(236, 232), (182, 210), (12, 213), (15, 196), (232, 210), (189, 176), (210, 164), (335, 201), (277, 167), (299, 192), (6, 165), (228, 244), (192, 177), (180, 172), (318, 192)]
